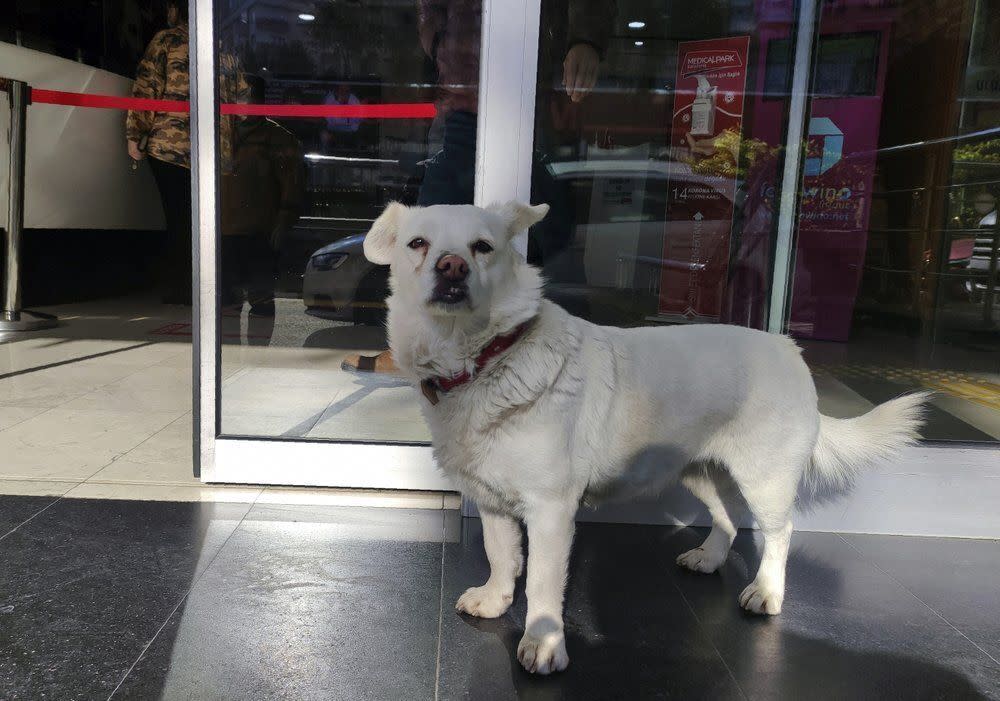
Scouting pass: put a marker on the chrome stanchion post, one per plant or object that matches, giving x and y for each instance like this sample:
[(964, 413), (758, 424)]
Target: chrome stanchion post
[(14, 318), (15, 200)]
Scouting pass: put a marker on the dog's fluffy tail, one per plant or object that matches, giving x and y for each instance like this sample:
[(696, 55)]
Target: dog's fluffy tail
[(846, 446)]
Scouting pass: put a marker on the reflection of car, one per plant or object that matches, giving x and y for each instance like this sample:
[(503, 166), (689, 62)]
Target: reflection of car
[(652, 226), (615, 262), (341, 285)]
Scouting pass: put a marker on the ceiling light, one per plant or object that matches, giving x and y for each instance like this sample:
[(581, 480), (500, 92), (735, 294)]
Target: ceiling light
[(634, 24), (639, 43), (306, 17)]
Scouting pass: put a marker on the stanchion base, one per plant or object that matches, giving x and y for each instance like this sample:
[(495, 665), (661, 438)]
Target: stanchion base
[(28, 322)]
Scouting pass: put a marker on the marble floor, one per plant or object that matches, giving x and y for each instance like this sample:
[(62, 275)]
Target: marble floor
[(162, 600), (101, 405)]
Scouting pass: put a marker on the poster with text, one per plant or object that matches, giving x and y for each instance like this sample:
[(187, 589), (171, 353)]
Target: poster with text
[(837, 179), (706, 129)]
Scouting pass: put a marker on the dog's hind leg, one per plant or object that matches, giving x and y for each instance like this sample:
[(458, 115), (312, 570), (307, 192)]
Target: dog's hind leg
[(769, 486), (716, 489), (502, 541)]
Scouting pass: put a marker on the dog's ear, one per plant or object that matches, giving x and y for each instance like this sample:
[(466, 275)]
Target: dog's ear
[(518, 216), (381, 238)]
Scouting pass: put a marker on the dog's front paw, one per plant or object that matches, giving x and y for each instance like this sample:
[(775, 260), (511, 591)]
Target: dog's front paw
[(484, 602), (759, 598), (701, 560), (543, 655)]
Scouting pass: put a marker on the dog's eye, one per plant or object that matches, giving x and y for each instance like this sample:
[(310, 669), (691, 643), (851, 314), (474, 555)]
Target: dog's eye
[(417, 243), (482, 247)]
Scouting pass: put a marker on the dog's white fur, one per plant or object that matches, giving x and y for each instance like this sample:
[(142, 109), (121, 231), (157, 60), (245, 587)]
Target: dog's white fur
[(574, 411)]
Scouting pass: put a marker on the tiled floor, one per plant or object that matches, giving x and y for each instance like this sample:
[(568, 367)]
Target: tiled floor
[(146, 600), (101, 406)]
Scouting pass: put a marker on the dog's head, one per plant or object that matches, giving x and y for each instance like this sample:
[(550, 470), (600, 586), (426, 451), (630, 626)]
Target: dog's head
[(449, 259)]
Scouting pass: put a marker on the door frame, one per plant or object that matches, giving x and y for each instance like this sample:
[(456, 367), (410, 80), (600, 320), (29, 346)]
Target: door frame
[(505, 134)]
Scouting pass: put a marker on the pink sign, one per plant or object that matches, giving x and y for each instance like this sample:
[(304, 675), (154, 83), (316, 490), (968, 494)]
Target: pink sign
[(836, 199)]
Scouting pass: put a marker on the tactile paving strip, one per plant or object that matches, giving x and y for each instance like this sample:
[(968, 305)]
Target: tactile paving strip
[(971, 388)]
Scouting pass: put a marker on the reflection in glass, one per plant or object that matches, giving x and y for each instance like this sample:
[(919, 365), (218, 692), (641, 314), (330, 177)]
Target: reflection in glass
[(664, 181), (663, 177), (297, 296), (659, 144), (895, 257)]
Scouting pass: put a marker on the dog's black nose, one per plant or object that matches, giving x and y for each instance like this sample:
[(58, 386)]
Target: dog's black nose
[(452, 267)]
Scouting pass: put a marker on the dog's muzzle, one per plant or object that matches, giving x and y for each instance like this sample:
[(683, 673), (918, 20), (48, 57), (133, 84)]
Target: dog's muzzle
[(451, 272)]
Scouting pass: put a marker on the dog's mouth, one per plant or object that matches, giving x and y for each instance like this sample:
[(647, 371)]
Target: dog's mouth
[(450, 293)]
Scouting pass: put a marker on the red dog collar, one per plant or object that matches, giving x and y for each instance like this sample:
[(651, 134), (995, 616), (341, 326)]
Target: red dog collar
[(431, 386)]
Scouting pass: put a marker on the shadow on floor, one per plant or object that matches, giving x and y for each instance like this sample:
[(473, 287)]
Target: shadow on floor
[(639, 627)]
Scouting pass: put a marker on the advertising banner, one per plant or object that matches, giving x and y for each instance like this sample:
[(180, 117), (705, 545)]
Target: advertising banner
[(833, 215), (706, 129)]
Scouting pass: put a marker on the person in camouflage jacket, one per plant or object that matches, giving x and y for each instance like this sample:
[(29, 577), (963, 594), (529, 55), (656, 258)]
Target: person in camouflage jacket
[(163, 74)]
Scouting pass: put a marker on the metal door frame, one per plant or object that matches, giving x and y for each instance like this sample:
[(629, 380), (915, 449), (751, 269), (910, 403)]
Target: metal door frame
[(508, 68)]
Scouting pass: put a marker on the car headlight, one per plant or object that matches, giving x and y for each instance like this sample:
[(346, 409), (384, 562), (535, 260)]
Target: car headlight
[(328, 261)]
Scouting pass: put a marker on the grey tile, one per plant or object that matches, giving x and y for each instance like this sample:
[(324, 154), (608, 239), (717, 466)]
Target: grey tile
[(629, 634), (86, 584), (846, 630), (358, 523), (959, 578), (15, 510), (939, 424), (317, 602), (305, 603)]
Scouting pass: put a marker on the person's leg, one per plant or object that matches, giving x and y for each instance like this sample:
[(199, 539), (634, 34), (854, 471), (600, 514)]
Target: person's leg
[(448, 179), (261, 268), (230, 289), (552, 240), (174, 183), (450, 175)]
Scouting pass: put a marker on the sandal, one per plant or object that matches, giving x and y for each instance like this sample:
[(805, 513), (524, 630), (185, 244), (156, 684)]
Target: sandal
[(366, 363), (381, 364)]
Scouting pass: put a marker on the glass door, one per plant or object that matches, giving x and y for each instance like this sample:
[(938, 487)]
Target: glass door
[(827, 170), (323, 114), (822, 169), (895, 254), (741, 162), (659, 135)]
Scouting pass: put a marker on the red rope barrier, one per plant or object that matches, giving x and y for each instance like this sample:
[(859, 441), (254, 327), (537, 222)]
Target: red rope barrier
[(113, 102), (415, 110)]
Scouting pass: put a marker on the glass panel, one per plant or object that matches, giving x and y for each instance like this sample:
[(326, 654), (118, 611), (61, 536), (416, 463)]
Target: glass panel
[(896, 250), (658, 137), (300, 187)]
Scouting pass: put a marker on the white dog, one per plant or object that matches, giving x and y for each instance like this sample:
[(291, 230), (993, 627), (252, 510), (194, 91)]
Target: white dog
[(532, 410)]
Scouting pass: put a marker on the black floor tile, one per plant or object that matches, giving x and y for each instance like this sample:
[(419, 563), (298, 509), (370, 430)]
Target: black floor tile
[(959, 578), (846, 630), (325, 603), (629, 633), (86, 584), (307, 603), (15, 510)]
